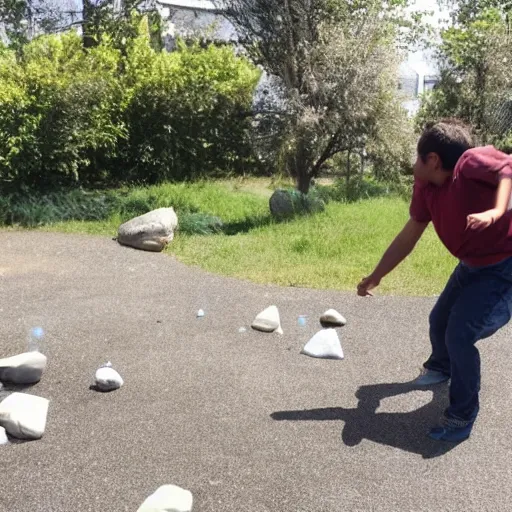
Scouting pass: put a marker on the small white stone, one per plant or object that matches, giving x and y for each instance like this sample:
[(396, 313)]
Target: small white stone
[(332, 317), (26, 368), (324, 344), (24, 416), (107, 379), (168, 498), (268, 321), (200, 313), (3, 436)]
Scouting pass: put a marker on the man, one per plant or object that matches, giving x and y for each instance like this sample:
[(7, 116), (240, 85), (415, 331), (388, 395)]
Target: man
[(465, 192)]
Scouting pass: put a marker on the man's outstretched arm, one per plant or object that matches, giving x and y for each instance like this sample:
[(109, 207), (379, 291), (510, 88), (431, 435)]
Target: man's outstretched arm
[(399, 249)]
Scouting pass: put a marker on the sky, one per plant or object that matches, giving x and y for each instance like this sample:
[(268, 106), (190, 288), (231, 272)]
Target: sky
[(420, 60)]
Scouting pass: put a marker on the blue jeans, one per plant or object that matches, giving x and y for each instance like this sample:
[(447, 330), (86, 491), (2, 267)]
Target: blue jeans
[(476, 302)]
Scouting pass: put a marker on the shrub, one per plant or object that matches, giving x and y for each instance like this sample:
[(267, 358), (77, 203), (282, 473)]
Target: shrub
[(187, 115), (288, 203), (101, 117)]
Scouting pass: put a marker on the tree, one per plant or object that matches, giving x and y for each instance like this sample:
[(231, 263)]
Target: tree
[(465, 11), (23, 19), (114, 17), (475, 78), (334, 64)]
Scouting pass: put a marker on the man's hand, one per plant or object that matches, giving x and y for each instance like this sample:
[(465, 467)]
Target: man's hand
[(367, 284), (480, 221), (399, 249)]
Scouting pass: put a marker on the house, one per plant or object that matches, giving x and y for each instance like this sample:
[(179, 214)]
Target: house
[(194, 19)]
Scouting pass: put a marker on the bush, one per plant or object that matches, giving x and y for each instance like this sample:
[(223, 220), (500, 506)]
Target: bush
[(187, 115), (32, 210), (368, 187), (60, 113), (70, 117), (286, 204), (199, 224)]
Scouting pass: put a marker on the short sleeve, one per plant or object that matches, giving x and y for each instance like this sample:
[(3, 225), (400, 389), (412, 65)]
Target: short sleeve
[(418, 209), (485, 164)]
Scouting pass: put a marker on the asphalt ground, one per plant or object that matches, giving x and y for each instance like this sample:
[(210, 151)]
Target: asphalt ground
[(242, 420)]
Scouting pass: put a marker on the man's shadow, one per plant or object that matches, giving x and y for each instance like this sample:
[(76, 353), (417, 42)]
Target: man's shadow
[(406, 431)]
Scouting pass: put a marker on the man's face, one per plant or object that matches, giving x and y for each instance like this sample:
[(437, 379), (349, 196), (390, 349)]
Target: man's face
[(426, 170)]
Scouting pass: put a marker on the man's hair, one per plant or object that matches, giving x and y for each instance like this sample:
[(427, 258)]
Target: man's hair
[(448, 138)]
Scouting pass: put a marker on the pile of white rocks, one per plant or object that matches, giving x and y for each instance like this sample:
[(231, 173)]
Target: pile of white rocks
[(324, 344), (23, 415)]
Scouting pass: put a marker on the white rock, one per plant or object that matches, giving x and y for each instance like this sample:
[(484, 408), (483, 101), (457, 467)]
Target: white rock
[(149, 232), (268, 321), (26, 368), (24, 416), (168, 498), (324, 344), (3, 436), (107, 379), (332, 317)]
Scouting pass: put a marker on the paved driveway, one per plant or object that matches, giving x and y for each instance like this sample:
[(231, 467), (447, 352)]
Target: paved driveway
[(241, 419)]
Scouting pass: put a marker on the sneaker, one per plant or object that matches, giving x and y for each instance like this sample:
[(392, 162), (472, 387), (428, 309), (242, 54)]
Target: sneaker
[(451, 430), (430, 377)]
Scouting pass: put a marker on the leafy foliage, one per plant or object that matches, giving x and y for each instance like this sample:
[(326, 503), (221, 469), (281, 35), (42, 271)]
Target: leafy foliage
[(70, 117), (335, 66), (476, 82)]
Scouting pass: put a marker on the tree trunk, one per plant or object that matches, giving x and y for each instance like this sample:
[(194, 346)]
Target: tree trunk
[(347, 171), (88, 24), (303, 181), (481, 79)]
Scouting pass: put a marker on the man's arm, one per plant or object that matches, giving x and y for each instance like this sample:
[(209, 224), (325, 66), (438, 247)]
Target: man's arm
[(399, 249), (478, 221)]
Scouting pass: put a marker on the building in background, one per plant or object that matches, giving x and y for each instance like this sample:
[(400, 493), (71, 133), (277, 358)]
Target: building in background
[(194, 19), (203, 19)]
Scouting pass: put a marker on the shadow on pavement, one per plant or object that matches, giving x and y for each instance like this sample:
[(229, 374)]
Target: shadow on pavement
[(406, 431)]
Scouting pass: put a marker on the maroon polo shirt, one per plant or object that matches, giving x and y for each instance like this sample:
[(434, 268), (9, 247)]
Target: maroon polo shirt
[(471, 189)]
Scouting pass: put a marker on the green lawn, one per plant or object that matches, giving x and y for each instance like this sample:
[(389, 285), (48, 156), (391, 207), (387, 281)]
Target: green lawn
[(333, 249), (330, 250)]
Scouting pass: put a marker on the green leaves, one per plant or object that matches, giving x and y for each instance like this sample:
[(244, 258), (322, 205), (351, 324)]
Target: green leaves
[(102, 116), (476, 79)]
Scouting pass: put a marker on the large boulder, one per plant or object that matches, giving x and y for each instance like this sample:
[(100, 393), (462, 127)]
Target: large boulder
[(149, 232), (168, 498), (285, 204), (26, 368), (24, 416)]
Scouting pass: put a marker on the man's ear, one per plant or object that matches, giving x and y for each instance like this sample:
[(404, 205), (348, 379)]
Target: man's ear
[(434, 161)]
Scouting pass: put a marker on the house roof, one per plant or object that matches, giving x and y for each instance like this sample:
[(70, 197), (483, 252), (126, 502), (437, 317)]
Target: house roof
[(201, 5)]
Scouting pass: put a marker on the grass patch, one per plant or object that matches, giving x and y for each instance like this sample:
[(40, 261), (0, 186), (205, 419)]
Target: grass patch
[(334, 249), (225, 228)]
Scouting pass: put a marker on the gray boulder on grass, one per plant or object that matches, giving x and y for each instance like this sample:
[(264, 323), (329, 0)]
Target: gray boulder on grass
[(149, 232), (285, 204)]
